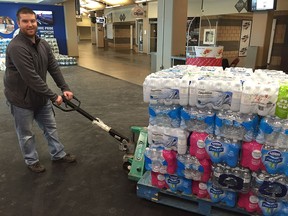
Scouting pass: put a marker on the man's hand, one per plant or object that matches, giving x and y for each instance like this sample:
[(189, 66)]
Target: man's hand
[(68, 95), (59, 100)]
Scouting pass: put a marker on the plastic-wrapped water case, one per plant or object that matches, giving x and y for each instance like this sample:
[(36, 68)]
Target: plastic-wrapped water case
[(200, 189), (270, 186), (160, 161), (222, 150), (275, 161), (171, 182), (197, 145), (236, 179), (251, 156), (235, 125), (282, 101), (273, 133), (249, 202), (191, 168), (165, 115), (218, 195), (177, 183), (199, 120), (271, 207), (168, 138)]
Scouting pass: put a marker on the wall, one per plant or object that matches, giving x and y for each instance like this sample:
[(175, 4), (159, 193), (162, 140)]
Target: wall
[(71, 27), (84, 28), (10, 9), (122, 35), (121, 27), (228, 33), (279, 57)]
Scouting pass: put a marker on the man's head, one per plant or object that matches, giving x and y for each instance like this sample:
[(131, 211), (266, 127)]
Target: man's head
[(26, 20)]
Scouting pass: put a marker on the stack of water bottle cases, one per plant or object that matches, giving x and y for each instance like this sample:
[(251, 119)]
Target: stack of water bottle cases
[(220, 135), (63, 60)]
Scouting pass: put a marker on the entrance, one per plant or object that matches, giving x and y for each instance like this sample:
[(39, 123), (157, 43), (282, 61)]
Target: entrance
[(139, 40)]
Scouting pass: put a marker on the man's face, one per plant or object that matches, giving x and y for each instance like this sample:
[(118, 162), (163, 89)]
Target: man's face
[(28, 24)]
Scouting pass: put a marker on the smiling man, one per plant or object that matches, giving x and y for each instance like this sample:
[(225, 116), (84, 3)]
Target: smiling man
[(28, 58)]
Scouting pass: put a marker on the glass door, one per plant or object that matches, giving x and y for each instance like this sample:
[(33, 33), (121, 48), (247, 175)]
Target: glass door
[(140, 35), (153, 36)]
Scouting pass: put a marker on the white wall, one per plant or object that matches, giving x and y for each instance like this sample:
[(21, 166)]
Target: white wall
[(211, 7)]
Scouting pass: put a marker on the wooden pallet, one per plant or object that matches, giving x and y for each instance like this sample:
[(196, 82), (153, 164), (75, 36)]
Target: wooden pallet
[(185, 202)]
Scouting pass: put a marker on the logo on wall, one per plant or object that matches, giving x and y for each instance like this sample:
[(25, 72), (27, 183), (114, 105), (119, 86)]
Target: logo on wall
[(138, 12), (122, 17), (240, 5)]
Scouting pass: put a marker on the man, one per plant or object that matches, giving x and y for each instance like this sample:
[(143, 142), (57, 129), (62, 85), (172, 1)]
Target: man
[(28, 58)]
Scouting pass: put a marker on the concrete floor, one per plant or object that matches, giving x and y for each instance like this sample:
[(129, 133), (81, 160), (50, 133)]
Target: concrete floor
[(119, 63), (96, 185)]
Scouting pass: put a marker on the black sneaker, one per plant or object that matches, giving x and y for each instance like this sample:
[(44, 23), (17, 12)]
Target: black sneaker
[(36, 167), (68, 158)]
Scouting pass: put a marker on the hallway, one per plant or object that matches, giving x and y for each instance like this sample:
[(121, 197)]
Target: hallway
[(122, 64)]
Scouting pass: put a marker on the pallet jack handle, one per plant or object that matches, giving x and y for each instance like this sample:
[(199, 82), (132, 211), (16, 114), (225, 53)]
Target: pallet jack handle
[(70, 106)]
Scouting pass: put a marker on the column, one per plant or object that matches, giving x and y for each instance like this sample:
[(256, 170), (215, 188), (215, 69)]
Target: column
[(260, 36), (171, 31), (71, 27)]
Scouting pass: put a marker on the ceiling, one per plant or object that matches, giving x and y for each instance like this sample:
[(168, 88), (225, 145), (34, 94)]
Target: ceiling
[(85, 5)]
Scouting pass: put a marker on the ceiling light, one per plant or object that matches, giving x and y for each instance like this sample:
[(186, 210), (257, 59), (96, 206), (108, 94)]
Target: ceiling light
[(119, 2), (94, 5)]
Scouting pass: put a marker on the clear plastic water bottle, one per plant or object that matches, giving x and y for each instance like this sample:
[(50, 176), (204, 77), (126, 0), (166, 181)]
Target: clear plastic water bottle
[(155, 87), (246, 181), (218, 170), (282, 142), (271, 138), (255, 97), (236, 96), (246, 99), (193, 93), (258, 180), (182, 141), (203, 97), (264, 99), (184, 92), (146, 89)]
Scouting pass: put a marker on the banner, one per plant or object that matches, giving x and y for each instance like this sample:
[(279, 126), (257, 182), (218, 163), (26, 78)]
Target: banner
[(204, 55)]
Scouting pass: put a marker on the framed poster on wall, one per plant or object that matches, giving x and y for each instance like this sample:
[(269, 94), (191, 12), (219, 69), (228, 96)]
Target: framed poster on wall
[(209, 36)]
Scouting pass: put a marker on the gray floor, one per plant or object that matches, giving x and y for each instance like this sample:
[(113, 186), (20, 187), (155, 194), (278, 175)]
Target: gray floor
[(96, 184)]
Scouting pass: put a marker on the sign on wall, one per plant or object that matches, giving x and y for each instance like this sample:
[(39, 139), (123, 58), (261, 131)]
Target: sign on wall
[(245, 37), (138, 12)]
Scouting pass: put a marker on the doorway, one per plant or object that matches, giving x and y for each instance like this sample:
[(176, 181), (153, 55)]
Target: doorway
[(139, 40)]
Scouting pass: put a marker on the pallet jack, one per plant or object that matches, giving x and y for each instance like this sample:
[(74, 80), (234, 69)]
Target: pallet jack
[(133, 159)]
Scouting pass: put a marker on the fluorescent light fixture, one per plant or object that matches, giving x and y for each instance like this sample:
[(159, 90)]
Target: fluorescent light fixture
[(93, 5)]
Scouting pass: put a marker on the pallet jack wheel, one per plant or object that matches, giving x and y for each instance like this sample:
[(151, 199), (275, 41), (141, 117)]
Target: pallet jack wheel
[(127, 166)]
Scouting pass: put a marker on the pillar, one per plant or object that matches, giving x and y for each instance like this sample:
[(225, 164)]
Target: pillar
[(71, 27), (260, 36), (171, 31)]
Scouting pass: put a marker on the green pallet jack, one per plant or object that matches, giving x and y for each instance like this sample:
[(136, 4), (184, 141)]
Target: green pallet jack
[(133, 160), (135, 165)]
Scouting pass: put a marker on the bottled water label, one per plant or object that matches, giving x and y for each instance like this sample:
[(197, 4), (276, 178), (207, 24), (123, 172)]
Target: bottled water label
[(275, 161), (214, 99), (282, 102), (234, 179), (270, 186), (162, 95)]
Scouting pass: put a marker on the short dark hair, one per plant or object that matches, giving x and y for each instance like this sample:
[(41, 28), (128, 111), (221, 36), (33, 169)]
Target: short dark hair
[(24, 10)]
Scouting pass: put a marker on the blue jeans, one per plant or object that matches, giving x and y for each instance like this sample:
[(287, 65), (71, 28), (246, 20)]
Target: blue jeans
[(44, 117)]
